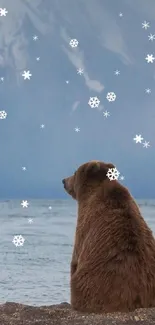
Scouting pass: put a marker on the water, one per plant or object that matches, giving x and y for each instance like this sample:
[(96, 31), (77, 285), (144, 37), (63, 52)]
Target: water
[(37, 273)]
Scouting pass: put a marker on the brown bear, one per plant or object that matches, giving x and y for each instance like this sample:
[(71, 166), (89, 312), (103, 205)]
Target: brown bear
[(113, 261)]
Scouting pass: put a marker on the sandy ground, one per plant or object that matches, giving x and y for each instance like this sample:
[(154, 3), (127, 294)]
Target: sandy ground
[(18, 314)]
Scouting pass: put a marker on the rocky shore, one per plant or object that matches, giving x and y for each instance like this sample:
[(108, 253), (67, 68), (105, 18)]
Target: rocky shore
[(62, 314)]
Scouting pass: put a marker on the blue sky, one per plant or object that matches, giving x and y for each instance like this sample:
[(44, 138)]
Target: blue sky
[(107, 41)]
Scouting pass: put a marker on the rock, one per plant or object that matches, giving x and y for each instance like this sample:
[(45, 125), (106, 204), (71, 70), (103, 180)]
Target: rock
[(17, 314)]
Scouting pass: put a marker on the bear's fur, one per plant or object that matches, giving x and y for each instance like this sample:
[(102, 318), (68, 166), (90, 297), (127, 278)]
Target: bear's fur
[(113, 261)]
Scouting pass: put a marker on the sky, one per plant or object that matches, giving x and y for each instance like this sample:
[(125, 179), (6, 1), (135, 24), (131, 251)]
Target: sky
[(42, 110)]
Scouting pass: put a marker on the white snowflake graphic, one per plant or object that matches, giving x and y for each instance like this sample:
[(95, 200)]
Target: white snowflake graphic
[(35, 37), (50, 208), (150, 58), (3, 12), (73, 42), (121, 178), (120, 14), (146, 144), (111, 96), (26, 75), (145, 25), (77, 129), (106, 114), (117, 72), (148, 91), (24, 168), (25, 204), (30, 220), (67, 81), (94, 102), (18, 240), (2, 79), (80, 71), (151, 37), (113, 174), (38, 58), (3, 115), (138, 138), (42, 126)]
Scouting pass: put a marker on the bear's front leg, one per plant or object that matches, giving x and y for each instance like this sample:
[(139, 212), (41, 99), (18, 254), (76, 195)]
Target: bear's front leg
[(74, 262)]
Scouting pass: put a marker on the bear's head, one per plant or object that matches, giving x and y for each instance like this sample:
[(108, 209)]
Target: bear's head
[(88, 177)]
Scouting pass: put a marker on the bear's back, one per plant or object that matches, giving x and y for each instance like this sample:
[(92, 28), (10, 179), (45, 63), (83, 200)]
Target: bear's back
[(116, 251)]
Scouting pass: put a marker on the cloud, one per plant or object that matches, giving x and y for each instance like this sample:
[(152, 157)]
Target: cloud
[(13, 43), (109, 33), (1, 60), (76, 56), (93, 84), (96, 19), (75, 105), (100, 107), (146, 7), (45, 18)]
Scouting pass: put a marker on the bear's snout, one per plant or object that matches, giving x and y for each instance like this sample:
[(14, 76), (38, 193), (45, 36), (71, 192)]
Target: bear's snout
[(64, 182), (69, 185)]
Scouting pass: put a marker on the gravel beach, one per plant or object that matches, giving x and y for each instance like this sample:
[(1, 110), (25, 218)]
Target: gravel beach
[(62, 314)]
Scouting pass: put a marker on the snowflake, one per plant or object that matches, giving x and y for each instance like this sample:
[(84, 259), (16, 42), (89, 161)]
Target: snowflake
[(106, 114), (117, 72), (2, 78), (3, 12), (122, 178), (73, 42), (25, 204), (77, 129), (42, 126), (148, 90), (50, 208), (80, 71), (138, 138), (38, 58), (151, 37), (26, 75), (30, 220), (120, 14), (145, 25), (3, 115), (146, 144), (113, 174), (18, 240), (24, 168), (94, 102), (111, 96), (150, 58), (35, 37)]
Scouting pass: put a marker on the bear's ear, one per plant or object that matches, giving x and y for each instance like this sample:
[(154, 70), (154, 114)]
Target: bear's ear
[(109, 165), (97, 169), (92, 167)]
